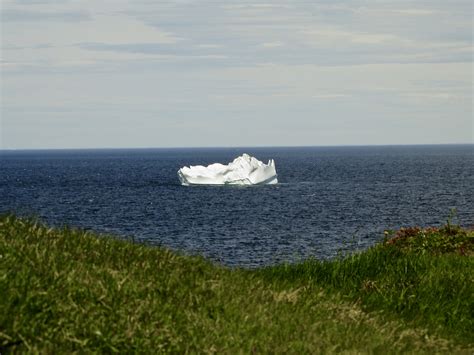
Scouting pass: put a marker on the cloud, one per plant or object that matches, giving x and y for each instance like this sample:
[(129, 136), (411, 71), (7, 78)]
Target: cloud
[(272, 44), (329, 96), (236, 34), (178, 66), (325, 36), (48, 44), (415, 12), (17, 15)]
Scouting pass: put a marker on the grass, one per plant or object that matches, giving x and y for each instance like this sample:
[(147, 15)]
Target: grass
[(423, 276), (66, 290)]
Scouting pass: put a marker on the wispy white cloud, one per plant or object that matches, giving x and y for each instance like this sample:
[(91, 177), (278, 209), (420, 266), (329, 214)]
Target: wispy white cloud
[(330, 36), (256, 6), (416, 12), (329, 96), (23, 15), (272, 44)]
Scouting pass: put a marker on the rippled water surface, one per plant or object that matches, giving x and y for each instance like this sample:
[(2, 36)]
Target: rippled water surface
[(328, 199)]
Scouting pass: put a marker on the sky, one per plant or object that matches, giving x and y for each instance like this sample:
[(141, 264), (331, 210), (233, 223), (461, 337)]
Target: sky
[(147, 73)]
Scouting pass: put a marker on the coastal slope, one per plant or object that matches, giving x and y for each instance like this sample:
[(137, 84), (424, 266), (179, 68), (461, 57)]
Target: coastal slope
[(65, 290)]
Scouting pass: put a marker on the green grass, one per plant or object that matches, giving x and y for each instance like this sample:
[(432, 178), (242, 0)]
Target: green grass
[(65, 290), (423, 276)]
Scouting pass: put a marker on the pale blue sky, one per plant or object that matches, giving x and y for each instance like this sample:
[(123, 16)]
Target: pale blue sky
[(91, 74)]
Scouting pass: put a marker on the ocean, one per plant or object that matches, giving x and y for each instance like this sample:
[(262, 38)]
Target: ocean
[(329, 200)]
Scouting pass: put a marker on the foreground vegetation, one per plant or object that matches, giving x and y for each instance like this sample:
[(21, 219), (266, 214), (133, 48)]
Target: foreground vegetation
[(65, 290)]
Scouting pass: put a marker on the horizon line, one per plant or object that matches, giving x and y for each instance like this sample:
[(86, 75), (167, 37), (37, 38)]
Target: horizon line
[(238, 147)]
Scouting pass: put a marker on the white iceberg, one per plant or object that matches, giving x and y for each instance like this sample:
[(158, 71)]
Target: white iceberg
[(244, 170)]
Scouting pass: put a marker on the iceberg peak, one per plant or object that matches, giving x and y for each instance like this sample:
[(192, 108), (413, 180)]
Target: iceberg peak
[(243, 170)]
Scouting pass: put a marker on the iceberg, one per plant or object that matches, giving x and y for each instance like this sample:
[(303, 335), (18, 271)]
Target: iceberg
[(244, 170)]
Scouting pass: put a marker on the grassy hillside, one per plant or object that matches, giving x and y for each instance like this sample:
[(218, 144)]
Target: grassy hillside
[(64, 290)]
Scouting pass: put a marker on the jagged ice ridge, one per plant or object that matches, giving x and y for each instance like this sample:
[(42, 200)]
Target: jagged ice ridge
[(244, 170)]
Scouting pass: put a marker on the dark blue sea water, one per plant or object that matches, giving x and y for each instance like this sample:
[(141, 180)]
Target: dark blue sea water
[(328, 199)]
